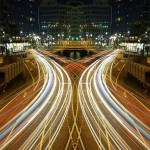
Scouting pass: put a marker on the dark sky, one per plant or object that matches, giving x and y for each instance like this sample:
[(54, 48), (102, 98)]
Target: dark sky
[(84, 1)]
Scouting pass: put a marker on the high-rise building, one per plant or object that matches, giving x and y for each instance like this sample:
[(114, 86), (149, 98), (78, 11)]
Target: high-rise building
[(75, 20), (2, 8), (4, 15), (19, 16), (130, 16), (25, 12), (8, 26)]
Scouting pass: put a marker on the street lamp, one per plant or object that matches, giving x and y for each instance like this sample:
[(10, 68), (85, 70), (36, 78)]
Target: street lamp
[(91, 38), (87, 35)]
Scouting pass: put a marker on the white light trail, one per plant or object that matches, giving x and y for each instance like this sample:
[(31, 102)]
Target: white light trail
[(49, 106), (98, 105)]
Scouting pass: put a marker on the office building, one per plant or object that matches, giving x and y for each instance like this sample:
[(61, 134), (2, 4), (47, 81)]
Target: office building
[(74, 20), (130, 17), (19, 16)]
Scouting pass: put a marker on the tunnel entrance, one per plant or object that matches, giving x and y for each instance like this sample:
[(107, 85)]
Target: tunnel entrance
[(75, 54)]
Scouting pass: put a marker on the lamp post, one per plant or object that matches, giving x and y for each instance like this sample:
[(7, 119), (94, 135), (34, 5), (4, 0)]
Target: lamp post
[(62, 35), (91, 38), (87, 35)]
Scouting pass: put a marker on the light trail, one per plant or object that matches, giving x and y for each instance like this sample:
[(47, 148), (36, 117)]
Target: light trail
[(30, 110), (50, 105), (30, 73), (116, 107), (74, 126), (103, 110)]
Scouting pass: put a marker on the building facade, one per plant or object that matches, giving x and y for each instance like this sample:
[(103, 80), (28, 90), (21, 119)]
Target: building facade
[(74, 20), (18, 16), (25, 12), (130, 17)]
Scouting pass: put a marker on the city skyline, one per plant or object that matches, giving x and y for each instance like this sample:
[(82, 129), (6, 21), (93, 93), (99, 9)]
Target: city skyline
[(74, 75)]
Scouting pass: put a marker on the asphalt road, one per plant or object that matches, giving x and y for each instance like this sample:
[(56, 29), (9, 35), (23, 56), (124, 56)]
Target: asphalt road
[(77, 114)]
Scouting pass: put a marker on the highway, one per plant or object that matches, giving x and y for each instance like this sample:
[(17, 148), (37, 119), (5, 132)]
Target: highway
[(33, 119), (116, 120), (65, 106)]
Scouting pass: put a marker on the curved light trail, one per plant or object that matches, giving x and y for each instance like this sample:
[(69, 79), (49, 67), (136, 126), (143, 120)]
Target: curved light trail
[(111, 117), (37, 125)]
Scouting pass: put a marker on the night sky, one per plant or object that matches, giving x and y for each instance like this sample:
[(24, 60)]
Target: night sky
[(65, 1), (84, 1)]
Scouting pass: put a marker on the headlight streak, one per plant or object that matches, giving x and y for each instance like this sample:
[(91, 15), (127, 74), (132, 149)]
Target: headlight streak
[(116, 101), (98, 114), (17, 115), (126, 110), (110, 74), (110, 101), (65, 83), (38, 131), (57, 112), (87, 119), (91, 128), (39, 74), (52, 112), (128, 113), (117, 85), (21, 93), (93, 104), (60, 111), (128, 92), (58, 119), (74, 126), (116, 115), (120, 73), (100, 86), (29, 72), (31, 109), (24, 100), (66, 103), (128, 101), (114, 104)]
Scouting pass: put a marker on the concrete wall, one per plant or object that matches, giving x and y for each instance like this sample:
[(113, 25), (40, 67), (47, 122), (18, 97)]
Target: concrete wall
[(138, 71), (12, 70)]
